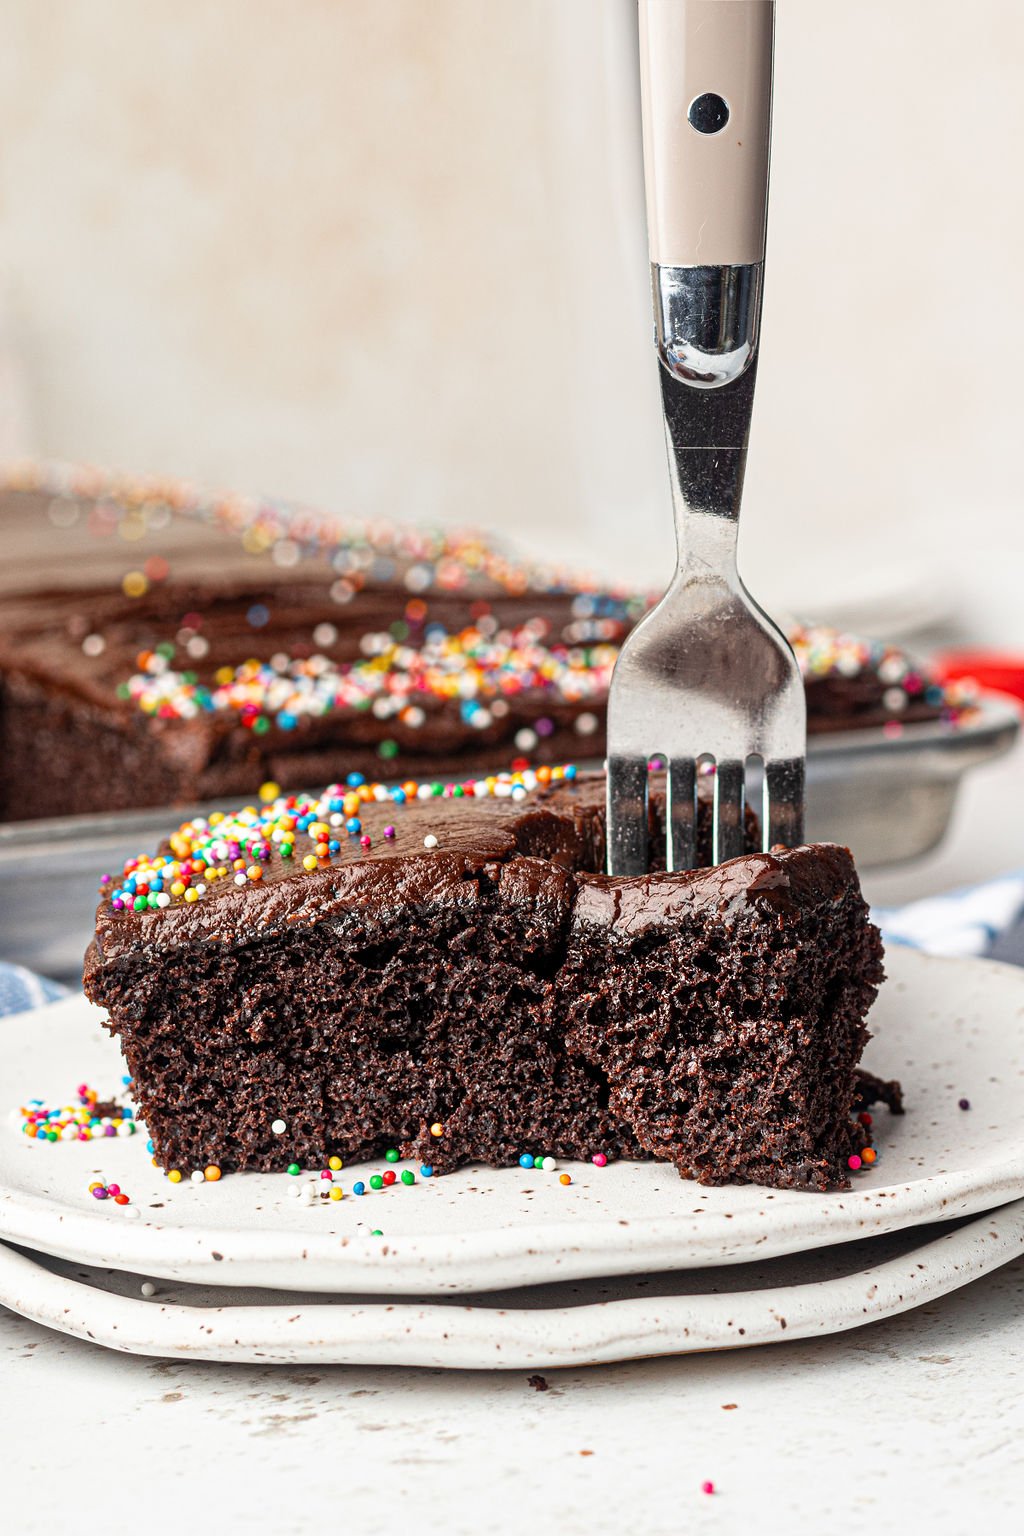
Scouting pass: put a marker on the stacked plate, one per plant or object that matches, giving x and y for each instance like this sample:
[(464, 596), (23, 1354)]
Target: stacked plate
[(513, 1268)]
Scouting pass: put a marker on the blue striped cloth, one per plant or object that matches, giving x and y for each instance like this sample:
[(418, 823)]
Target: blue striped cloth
[(21, 989), (976, 920), (979, 920)]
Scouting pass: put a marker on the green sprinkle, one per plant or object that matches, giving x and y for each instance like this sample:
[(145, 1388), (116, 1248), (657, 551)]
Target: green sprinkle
[(152, 901), (376, 1182), (408, 1177), (261, 725), (51, 1135), (388, 749), (286, 850), (123, 691), (399, 630), (165, 649), (437, 789), (140, 904), (391, 1155), (458, 793), (293, 1168), (538, 1162), (376, 1232)]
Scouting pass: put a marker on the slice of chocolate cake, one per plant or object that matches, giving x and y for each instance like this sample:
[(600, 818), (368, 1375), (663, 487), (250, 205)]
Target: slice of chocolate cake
[(445, 970)]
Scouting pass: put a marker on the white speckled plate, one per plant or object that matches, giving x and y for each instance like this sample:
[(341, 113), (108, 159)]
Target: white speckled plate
[(540, 1327), (947, 1028)]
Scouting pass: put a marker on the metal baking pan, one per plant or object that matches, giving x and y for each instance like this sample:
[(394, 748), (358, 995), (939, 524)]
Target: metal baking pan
[(889, 798)]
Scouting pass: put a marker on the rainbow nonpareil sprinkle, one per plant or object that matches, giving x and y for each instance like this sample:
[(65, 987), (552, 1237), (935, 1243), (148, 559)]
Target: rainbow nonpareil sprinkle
[(392, 682), (301, 831)]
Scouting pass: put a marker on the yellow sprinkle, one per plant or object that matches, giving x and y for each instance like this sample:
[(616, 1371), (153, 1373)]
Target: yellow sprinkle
[(437, 1129), (191, 894), (335, 1163), (175, 1175), (336, 1193), (269, 791), (178, 888), (309, 862), (134, 584)]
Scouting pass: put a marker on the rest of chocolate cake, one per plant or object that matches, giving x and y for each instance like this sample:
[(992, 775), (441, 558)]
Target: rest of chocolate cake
[(452, 975), (248, 644)]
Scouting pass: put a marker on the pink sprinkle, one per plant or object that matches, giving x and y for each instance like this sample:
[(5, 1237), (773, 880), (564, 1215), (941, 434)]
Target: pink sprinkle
[(113, 1189), (707, 1487), (326, 1174), (854, 1161), (364, 841), (599, 1160)]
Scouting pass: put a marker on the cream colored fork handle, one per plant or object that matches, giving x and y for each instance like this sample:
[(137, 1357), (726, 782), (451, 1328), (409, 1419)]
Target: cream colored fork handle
[(707, 192)]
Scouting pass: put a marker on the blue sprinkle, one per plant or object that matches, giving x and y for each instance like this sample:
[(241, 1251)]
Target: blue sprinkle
[(355, 779), (353, 824), (286, 721), (398, 796), (359, 1188), (334, 846), (526, 1161), (337, 804), (427, 1170), (570, 772), (149, 1147), (258, 615)]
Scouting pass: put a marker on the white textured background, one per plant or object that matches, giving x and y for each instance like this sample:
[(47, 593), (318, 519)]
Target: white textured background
[(388, 255)]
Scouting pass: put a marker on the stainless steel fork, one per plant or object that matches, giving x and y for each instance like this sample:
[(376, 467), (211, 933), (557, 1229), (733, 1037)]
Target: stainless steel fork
[(706, 674)]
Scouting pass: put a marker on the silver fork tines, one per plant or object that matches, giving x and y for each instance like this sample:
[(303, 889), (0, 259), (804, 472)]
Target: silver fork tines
[(706, 673)]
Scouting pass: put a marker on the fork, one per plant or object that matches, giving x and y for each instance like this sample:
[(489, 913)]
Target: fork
[(706, 675)]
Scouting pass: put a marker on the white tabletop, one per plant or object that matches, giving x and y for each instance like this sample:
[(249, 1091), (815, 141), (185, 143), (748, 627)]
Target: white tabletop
[(910, 1424)]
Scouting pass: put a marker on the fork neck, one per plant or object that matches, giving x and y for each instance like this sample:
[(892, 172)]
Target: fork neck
[(707, 431)]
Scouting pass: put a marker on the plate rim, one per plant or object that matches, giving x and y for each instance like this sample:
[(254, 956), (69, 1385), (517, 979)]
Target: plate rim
[(472, 1337)]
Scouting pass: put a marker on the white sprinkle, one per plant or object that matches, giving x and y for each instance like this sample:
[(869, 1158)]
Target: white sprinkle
[(549, 1165), (163, 899), (324, 634), (201, 888), (198, 1176), (94, 645), (132, 1212), (286, 552), (148, 1288), (278, 1127), (894, 700), (526, 740), (240, 879), (126, 1128), (197, 647), (586, 724), (430, 841), (424, 792), (519, 792)]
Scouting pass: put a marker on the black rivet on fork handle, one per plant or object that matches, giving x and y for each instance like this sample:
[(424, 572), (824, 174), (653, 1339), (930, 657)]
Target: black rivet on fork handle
[(708, 113)]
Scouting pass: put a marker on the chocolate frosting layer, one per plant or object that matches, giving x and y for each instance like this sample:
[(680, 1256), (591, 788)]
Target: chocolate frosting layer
[(551, 842)]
